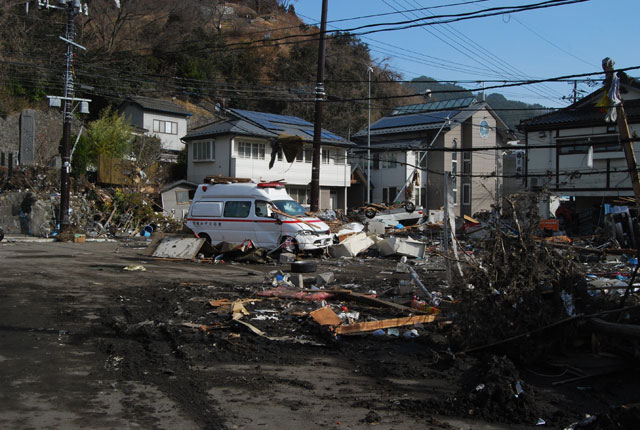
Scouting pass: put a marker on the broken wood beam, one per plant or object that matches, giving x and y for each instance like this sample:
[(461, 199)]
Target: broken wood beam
[(389, 323), (373, 301)]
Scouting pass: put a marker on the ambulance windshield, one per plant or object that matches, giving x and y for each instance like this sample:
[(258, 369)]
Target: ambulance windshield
[(290, 207)]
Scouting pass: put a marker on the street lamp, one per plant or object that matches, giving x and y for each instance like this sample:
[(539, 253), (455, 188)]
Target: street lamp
[(369, 71)]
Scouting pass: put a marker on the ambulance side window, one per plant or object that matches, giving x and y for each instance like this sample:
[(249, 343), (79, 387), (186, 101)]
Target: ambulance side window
[(237, 209), (262, 209)]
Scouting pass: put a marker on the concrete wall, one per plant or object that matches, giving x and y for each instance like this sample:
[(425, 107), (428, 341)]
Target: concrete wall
[(483, 189), (34, 214), (47, 136)]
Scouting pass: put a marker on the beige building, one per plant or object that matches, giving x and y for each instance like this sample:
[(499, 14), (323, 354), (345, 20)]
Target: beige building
[(417, 144)]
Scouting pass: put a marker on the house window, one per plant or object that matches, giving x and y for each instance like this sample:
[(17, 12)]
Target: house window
[(299, 194), (300, 155), (182, 197), (466, 162), (237, 209), (454, 147), (308, 154), (385, 195), (580, 145), (166, 127), (341, 157), (204, 151), (376, 161), (466, 194), (326, 155), (422, 162), (390, 161), (250, 150)]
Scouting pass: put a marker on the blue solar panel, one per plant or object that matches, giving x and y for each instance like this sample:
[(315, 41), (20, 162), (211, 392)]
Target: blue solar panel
[(324, 135), (414, 119), (434, 106), (269, 120)]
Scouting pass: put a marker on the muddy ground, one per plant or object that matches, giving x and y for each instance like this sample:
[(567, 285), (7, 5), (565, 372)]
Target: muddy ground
[(87, 344)]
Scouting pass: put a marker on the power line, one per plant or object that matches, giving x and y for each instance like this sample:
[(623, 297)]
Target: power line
[(475, 55)]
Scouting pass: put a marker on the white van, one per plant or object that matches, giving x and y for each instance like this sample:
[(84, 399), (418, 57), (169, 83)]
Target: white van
[(261, 212)]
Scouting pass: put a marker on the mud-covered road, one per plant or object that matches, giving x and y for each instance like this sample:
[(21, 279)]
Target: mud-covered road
[(87, 344)]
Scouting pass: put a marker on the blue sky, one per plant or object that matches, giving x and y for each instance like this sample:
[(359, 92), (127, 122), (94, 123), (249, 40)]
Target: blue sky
[(557, 41)]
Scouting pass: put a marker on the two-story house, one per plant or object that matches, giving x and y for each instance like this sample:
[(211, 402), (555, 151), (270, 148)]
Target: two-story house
[(241, 145), (160, 118), (576, 155), (412, 148)]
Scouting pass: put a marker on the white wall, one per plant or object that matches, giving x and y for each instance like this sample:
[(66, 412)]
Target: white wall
[(227, 163), (170, 142), (543, 160), (386, 177), (198, 170)]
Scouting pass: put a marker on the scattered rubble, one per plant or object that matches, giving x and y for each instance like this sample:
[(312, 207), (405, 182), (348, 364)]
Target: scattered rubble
[(527, 305)]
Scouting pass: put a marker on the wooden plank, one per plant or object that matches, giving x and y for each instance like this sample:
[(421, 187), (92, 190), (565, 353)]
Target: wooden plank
[(373, 301), (326, 316), (375, 325)]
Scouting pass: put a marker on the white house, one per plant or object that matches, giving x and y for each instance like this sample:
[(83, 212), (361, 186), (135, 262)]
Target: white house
[(242, 144), (576, 155), (163, 119), (450, 132)]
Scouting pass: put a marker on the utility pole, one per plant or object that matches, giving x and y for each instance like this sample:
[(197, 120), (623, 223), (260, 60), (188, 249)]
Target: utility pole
[(317, 126), (68, 116), (73, 9), (612, 87), (369, 71)]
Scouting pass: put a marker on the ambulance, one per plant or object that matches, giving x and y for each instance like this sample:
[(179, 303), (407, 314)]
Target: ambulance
[(261, 212)]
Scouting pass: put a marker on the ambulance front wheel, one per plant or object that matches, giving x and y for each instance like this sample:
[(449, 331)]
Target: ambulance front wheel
[(289, 244), (206, 237)]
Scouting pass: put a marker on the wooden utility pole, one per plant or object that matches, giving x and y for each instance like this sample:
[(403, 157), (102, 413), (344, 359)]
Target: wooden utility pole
[(629, 153), (623, 126), (317, 126)]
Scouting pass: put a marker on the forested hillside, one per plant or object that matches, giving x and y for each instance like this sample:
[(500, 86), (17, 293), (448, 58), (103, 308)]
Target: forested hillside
[(246, 54), (250, 54)]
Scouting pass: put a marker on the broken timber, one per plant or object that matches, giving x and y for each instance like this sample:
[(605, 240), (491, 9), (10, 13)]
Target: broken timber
[(389, 323)]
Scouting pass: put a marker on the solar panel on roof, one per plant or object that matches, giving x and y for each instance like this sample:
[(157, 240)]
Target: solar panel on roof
[(324, 135), (412, 120), (433, 106), (269, 120)]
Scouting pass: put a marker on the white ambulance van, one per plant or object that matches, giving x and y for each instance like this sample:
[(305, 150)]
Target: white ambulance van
[(261, 212)]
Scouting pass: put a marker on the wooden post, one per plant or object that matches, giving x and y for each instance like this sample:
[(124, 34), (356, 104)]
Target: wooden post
[(629, 154)]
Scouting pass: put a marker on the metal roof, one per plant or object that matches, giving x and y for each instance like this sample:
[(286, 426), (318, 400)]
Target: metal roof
[(267, 125), (434, 106), (236, 126), (271, 121), (158, 105), (390, 145), (408, 123), (578, 115)]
